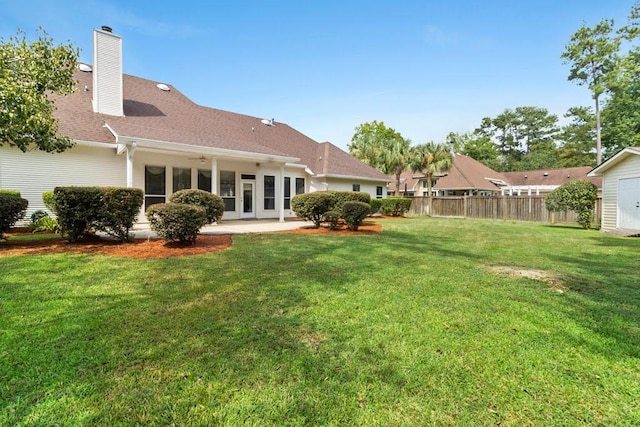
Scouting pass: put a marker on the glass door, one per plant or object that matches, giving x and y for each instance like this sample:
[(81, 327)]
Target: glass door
[(248, 201)]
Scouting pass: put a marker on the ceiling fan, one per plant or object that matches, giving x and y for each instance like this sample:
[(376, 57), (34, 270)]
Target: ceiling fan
[(202, 159)]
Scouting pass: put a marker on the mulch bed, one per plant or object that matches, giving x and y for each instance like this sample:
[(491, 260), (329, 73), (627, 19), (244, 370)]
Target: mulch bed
[(151, 248)]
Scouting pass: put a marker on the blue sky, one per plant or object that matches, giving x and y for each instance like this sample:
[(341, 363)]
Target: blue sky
[(425, 68)]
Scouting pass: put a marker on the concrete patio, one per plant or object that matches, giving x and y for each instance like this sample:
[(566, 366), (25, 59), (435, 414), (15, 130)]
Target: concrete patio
[(142, 230)]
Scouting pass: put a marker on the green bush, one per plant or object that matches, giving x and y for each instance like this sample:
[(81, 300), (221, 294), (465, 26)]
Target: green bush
[(395, 206), (49, 200), (83, 209), (120, 207), (10, 192), (340, 197), (578, 196), (77, 208), (12, 209), (354, 213), (212, 203), (332, 217), (312, 206), (376, 205), (177, 221), (46, 223)]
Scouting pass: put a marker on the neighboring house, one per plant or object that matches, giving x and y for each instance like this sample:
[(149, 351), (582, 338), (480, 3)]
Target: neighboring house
[(620, 190), (467, 177), (543, 181), (133, 132)]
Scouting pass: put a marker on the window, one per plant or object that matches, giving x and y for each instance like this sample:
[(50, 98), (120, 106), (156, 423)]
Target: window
[(204, 180), (154, 185), (181, 179), (378, 192), (299, 185), (287, 192), (356, 187), (269, 192), (228, 190)]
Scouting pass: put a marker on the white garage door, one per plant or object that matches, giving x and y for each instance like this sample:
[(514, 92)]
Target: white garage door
[(629, 203)]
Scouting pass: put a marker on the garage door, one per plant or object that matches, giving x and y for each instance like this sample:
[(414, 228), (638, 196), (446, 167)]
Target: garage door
[(629, 203)]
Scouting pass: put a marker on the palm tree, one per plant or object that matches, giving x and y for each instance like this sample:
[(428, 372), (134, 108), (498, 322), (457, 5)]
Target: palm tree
[(431, 159), (382, 148)]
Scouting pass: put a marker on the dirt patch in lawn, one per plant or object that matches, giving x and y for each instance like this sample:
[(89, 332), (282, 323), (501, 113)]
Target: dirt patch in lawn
[(549, 278), (148, 248)]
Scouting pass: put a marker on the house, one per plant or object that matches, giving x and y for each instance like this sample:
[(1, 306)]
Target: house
[(620, 191), (542, 181), (134, 132), (467, 176)]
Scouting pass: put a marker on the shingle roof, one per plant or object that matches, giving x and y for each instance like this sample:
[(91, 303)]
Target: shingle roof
[(468, 173), (169, 116), (551, 176)]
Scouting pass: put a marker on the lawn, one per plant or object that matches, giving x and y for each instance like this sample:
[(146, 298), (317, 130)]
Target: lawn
[(432, 322)]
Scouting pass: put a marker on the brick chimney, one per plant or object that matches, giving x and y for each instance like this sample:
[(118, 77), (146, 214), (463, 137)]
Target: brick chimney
[(107, 72)]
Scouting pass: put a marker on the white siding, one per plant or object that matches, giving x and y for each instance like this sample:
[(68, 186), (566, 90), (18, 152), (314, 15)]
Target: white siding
[(629, 168), (35, 172), (341, 184)]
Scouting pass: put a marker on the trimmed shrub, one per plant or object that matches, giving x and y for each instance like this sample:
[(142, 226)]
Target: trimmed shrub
[(312, 206), (376, 205), (49, 200), (120, 207), (77, 208), (395, 206), (354, 213), (340, 197), (578, 196), (332, 217), (10, 192), (177, 221), (12, 209), (212, 203)]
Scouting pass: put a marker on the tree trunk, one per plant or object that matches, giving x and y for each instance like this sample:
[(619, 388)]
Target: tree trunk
[(598, 133)]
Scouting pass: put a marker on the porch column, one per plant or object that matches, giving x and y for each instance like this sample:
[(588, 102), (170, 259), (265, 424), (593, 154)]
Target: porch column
[(130, 150), (214, 176), (281, 198)]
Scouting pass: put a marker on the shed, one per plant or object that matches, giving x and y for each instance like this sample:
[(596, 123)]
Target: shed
[(621, 191)]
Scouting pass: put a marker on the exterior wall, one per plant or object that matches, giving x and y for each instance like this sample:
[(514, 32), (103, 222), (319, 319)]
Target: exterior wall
[(35, 172), (340, 184), (630, 168), (142, 159)]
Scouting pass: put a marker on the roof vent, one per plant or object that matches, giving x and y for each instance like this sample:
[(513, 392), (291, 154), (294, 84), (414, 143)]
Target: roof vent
[(545, 174), (84, 67), (163, 87), (106, 29), (268, 122)]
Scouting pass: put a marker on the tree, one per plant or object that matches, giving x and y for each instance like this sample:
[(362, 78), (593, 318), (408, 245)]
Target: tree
[(578, 137), (431, 159), (524, 132), (29, 72), (621, 112), (477, 146), (592, 54), (382, 148)]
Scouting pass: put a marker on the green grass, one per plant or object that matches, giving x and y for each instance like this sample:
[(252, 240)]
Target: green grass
[(411, 327)]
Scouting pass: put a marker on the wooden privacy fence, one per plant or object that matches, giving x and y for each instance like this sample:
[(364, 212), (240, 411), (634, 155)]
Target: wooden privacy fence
[(511, 208)]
